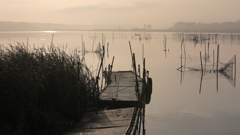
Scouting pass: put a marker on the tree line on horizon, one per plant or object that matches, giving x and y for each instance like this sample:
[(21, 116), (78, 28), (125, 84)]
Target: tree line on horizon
[(179, 26), (214, 27)]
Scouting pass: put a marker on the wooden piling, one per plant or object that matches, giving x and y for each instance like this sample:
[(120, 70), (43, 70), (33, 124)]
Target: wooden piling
[(208, 49), (235, 72), (135, 70), (213, 59), (217, 67), (201, 61), (144, 72), (139, 73), (142, 51), (217, 57), (200, 89)]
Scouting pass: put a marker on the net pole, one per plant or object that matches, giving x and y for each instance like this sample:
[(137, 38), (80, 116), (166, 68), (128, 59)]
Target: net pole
[(235, 70), (213, 59), (217, 65), (201, 61)]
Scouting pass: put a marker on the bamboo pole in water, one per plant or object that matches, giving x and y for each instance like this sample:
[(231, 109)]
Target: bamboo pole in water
[(201, 61), (208, 49), (181, 75), (235, 70), (217, 65), (130, 48), (142, 51), (200, 89), (217, 57), (131, 53), (213, 59)]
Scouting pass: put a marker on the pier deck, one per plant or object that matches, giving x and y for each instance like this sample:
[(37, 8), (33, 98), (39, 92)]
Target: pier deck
[(122, 89), (107, 122), (121, 94)]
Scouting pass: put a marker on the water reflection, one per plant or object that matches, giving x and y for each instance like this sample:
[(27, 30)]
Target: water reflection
[(226, 69)]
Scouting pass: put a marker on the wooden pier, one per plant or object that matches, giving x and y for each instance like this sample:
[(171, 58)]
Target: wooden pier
[(122, 94), (122, 101)]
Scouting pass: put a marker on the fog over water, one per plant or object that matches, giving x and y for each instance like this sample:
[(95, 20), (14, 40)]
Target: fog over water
[(181, 103)]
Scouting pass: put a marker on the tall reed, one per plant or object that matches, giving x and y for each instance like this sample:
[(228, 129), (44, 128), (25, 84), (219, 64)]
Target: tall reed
[(39, 89)]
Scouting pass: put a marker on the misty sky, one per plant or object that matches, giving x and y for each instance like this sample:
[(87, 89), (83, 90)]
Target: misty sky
[(158, 13)]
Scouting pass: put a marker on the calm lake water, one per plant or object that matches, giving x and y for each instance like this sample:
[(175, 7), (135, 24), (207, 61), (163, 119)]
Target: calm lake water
[(182, 103)]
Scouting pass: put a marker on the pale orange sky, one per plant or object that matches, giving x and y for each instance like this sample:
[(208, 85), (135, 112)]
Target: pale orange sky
[(158, 13)]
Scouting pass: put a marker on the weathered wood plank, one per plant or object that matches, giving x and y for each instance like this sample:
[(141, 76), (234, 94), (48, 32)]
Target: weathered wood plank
[(124, 76), (123, 88), (107, 122)]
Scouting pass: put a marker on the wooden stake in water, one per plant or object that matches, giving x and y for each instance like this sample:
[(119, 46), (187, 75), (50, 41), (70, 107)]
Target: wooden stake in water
[(201, 61), (181, 71), (139, 73), (200, 89), (217, 65), (131, 54), (217, 57), (208, 49), (213, 59), (130, 48), (144, 72), (235, 70), (142, 51)]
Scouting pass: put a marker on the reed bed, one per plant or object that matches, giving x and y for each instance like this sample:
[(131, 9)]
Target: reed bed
[(39, 89)]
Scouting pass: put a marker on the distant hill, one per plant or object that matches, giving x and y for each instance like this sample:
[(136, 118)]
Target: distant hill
[(178, 27), (15, 26), (212, 27), (5, 26)]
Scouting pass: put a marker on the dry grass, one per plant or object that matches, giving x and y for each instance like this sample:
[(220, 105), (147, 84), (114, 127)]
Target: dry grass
[(38, 89)]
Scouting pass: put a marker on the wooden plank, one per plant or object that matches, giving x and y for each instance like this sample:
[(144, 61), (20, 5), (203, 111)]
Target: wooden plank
[(123, 88), (107, 122), (124, 76), (123, 84)]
